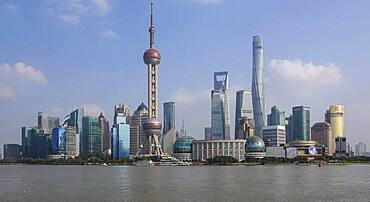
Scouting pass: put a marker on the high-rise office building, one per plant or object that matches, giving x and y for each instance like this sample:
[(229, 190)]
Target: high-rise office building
[(301, 123), (12, 151), (168, 138), (138, 139), (321, 133), (289, 129), (91, 141), (46, 123), (152, 126), (120, 134), (276, 117), (59, 140), (208, 133), (71, 142), (75, 119), (335, 117), (245, 128), (360, 149), (220, 117), (258, 85), (35, 143), (243, 110), (104, 134)]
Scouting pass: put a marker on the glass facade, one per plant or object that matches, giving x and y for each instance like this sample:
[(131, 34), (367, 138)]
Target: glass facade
[(183, 145), (258, 86), (59, 140), (301, 126), (276, 117), (120, 137), (255, 144), (220, 118), (168, 116), (91, 141)]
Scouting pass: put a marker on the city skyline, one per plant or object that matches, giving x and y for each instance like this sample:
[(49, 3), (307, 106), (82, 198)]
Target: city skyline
[(173, 89)]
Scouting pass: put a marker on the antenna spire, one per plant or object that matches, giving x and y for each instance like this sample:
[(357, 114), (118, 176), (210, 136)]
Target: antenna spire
[(151, 29)]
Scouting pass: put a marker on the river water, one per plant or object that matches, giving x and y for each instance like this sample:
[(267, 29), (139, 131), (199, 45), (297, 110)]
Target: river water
[(203, 183)]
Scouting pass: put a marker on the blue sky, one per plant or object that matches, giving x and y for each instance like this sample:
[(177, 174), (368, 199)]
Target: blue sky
[(56, 54)]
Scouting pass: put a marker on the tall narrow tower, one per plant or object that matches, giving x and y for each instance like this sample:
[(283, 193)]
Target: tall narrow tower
[(258, 86), (152, 127)]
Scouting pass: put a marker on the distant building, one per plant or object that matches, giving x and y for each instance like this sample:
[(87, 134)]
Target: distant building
[(182, 149), (245, 128), (138, 139), (301, 123), (360, 149), (255, 147), (305, 149), (321, 133), (341, 147), (91, 136), (220, 117), (120, 136), (35, 143), (274, 136), (59, 140), (276, 117), (104, 134), (204, 150), (243, 110), (71, 142), (12, 151), (168, 137), (335, 117), (46, 123), (208, 133), (289, 129), (258, 85), (75, 120)]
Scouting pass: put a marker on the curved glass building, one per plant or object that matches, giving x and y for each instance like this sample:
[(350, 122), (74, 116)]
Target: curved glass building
[(255, 147), (183, 148), (258, 86)]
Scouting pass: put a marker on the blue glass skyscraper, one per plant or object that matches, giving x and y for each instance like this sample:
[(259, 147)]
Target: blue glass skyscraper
[(59, 139), (120, 135), (258, 86)]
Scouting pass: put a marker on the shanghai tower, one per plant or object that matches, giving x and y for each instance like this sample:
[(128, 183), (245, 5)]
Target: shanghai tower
[(258, 86)]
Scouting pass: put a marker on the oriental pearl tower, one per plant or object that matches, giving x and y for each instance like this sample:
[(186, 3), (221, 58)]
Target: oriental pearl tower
[(152, 127)]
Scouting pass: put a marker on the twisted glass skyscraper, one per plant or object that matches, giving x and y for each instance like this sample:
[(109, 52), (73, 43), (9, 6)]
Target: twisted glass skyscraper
[(258, 86)]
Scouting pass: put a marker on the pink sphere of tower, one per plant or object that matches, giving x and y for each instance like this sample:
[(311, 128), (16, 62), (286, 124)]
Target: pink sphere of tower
[(152, 56)]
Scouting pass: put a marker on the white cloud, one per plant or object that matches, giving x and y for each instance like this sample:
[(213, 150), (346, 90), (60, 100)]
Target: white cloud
[(104, 6), (305, 77), (22, 71), (92, 109), (6, 91), (11, 7), (72, 11), (108, 33), (209, 1)]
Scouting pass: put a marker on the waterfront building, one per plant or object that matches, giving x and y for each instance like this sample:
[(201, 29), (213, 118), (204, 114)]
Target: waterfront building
[(138, 139), (341, 147), (208, 133), (255, 147), (12, 151), (335, 117), (120, 136), (90, 136), (204, 150), (75, 120), (59, 140), (220, 117), (301, 123), (182, 148), (360, 149), (169, 130), (35, 143), (71, 142), (243, 110), (289, 129), (276, 117), (307, 148), (104, 134), (276, 152), (274, 136), (322, 134), (258, 85)]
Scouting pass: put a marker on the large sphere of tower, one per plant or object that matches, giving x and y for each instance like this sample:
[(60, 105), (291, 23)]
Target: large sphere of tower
[(152, 56)]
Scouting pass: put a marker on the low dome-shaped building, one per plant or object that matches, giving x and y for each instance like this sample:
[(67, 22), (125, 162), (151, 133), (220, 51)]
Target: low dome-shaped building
[(255, 147), (182, 148)]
